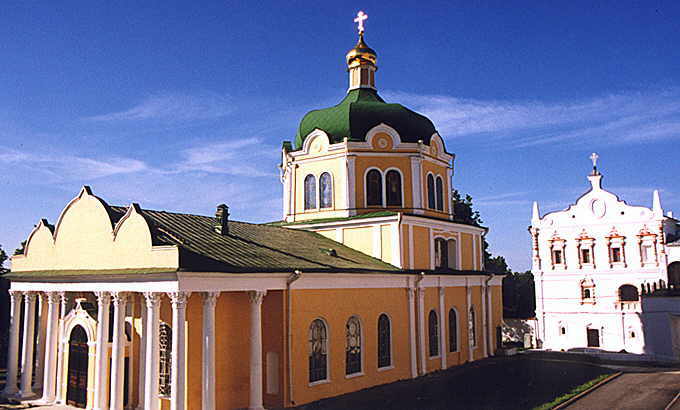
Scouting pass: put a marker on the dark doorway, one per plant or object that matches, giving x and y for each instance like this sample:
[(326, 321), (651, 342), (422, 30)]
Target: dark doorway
[(593, 338), (76, 394), (674, 275)]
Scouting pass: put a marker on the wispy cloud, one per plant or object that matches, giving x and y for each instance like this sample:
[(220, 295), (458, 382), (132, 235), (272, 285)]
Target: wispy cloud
[(173, 107), (617, 118), (242, 157), (509, 198), (69, 167)]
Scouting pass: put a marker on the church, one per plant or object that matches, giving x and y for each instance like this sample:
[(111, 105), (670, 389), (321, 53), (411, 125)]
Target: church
[(369, 278), (594, 263)]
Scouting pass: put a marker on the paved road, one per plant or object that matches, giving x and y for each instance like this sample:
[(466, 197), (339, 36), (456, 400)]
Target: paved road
[(632, 391)]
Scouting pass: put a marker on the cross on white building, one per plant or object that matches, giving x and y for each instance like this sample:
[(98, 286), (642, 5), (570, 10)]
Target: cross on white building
[(361, 17), (594, 157)]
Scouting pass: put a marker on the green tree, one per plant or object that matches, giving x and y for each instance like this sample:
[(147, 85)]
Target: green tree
[(20, 249), (3, 258)]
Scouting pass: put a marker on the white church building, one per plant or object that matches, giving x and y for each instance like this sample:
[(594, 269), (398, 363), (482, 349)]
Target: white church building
[(592, 262)]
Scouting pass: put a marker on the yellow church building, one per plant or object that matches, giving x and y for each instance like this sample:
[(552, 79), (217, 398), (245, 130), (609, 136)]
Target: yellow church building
[(369, 278)]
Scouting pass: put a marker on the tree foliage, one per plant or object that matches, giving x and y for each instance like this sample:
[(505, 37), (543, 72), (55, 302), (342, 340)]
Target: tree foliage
[(518, 288), (3, 259)]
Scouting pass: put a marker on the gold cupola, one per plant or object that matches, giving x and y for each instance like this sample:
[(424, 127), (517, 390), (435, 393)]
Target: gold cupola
[(361, 60)]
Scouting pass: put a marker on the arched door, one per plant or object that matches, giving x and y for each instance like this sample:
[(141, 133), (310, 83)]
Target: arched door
[(76, 393)]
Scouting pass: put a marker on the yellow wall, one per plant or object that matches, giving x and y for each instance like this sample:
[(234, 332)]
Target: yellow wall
[(360, 239), (337, 168), (466, 251), (335, 307), (194, 314), (362, 163), (455, 297), (421, 241), (436, 170)]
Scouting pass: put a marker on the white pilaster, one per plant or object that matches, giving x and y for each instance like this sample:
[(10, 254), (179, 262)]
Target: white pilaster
[(416, 177), (118, 351), (412, 330), (51, 342), (63, 297), (421, 329), (27, 347), (13, 349), (178, 372), (142, 356), (468, 305), (101, 351), (256, 349), (41, 328), (209, 302), (485, 333), (442, 328), (153, 303), (351, 183)]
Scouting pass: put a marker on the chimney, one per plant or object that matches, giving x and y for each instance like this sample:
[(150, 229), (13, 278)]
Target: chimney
[(222, 219)]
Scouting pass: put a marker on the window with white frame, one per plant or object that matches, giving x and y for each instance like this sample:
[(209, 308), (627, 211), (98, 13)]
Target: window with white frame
[(587, 291), (452, 253), (353, 346), (318, 351), (433, 333), (374, 188), (325, 190), (472, 327), (441, 257), (310, 192), (647, 244), (557, 255), (586, 250)]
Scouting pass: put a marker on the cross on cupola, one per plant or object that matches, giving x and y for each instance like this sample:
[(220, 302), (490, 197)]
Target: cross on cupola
[(593, 157), (361, 60), (361, 17)]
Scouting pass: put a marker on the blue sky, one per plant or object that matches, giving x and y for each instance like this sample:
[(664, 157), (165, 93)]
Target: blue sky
[(181, 106)]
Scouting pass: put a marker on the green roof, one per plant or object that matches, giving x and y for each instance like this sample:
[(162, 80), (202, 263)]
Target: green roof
[(361, 110)]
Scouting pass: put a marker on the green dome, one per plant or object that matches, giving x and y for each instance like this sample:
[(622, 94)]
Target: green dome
[(361, 110)]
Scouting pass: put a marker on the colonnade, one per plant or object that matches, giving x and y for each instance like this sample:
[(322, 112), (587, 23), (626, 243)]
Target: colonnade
[(108, 387)]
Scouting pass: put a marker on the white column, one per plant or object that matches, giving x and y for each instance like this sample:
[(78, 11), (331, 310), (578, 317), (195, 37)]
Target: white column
[(13, 350), (421, 329), (118, 350), (351, 182), (485, 333), (153, 302), (416, 177), (41, 328), (60, 348), (412, 331), (468, 293), (27, 347), (49, 388), (442, 327), (101, 351), (209, 302), (142, 356), (256, 349), (178, 372)]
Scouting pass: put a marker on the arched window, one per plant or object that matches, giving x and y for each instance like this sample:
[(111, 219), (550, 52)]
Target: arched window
[(440, 194), (441, 258), (628, 293), (374, 188), (165, 359), (310, 192), (674, 275), (384, 348), (452, 254), (393, 185), (430, 192), (453, 331), (353, 347), (325, 190), (318, 340), (472, 327), (433, 331)]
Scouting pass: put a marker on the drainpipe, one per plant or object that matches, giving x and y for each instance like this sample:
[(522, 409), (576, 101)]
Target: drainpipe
[(297, 274)]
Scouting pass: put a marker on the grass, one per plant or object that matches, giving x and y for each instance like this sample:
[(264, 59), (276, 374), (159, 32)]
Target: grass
[(576, 390)]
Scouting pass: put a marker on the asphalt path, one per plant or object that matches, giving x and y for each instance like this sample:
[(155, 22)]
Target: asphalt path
[(648, 390)]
